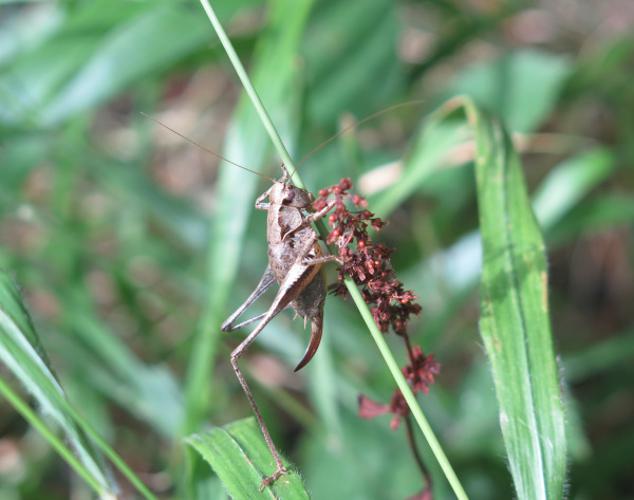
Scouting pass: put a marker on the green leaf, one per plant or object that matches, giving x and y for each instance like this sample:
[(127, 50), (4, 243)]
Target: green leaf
[(425, 158), (22, 353), (514, 322), (239, 456), (162, 35), (350, 64), (521, 87), (595, 215), (569, 182), (149, 392), (601, 356)]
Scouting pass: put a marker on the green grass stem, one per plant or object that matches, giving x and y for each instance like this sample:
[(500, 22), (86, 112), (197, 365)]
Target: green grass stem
[(31, 417)]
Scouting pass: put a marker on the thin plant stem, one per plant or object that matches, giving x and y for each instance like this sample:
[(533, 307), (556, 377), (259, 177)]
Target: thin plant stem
[(352, 288), (253, 95), (411, 439), (116, 460), (112, 455), (402, 384), (59, 446)]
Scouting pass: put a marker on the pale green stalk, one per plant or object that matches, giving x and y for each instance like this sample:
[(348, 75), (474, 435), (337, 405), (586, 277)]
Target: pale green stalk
[(354, 291), (59, 446), (253, 95), (116, 460)]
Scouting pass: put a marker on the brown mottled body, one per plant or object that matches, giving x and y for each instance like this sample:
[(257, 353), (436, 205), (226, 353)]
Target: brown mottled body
[(292, 246), (295, 261)]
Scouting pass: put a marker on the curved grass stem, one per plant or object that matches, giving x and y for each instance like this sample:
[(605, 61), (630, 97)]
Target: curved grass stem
[(402, 384)]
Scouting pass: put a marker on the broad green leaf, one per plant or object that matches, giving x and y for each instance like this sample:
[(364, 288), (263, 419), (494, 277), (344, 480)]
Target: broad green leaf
[(515, 322), (247, 144), (238, 455), (22, 353)]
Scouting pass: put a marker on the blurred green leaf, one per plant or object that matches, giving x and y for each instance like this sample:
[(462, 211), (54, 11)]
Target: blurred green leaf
[(161, 35), (605, 212), (600, 356), (521, 87), (24, 30), (22, 353), (514, 322), (425, 158), (239, 456), (49, 435), (351, 64), (569, 182), (95, 52), (360, 461), (149, 392)]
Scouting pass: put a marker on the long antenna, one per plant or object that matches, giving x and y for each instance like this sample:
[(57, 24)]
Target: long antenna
[(207, 150), (355, 125)]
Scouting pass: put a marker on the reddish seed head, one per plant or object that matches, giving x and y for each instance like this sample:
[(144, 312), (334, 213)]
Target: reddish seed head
[(319, 204), (368, 264)]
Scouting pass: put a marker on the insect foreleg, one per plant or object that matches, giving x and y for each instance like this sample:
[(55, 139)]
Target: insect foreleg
[(260, 204), (231, 328), (265, 283), (310, 218), (321, 260)]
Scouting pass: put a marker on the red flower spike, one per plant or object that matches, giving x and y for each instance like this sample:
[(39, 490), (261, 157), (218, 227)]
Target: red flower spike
[(398, 408), (422, 370), (370, 409), (422, 495), (368, 264)]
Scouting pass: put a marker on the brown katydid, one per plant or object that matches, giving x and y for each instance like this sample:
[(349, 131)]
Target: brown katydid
[(295, 260), (295, 263)]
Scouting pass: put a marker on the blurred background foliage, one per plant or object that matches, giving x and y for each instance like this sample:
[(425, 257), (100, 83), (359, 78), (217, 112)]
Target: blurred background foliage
[(105, 224)]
